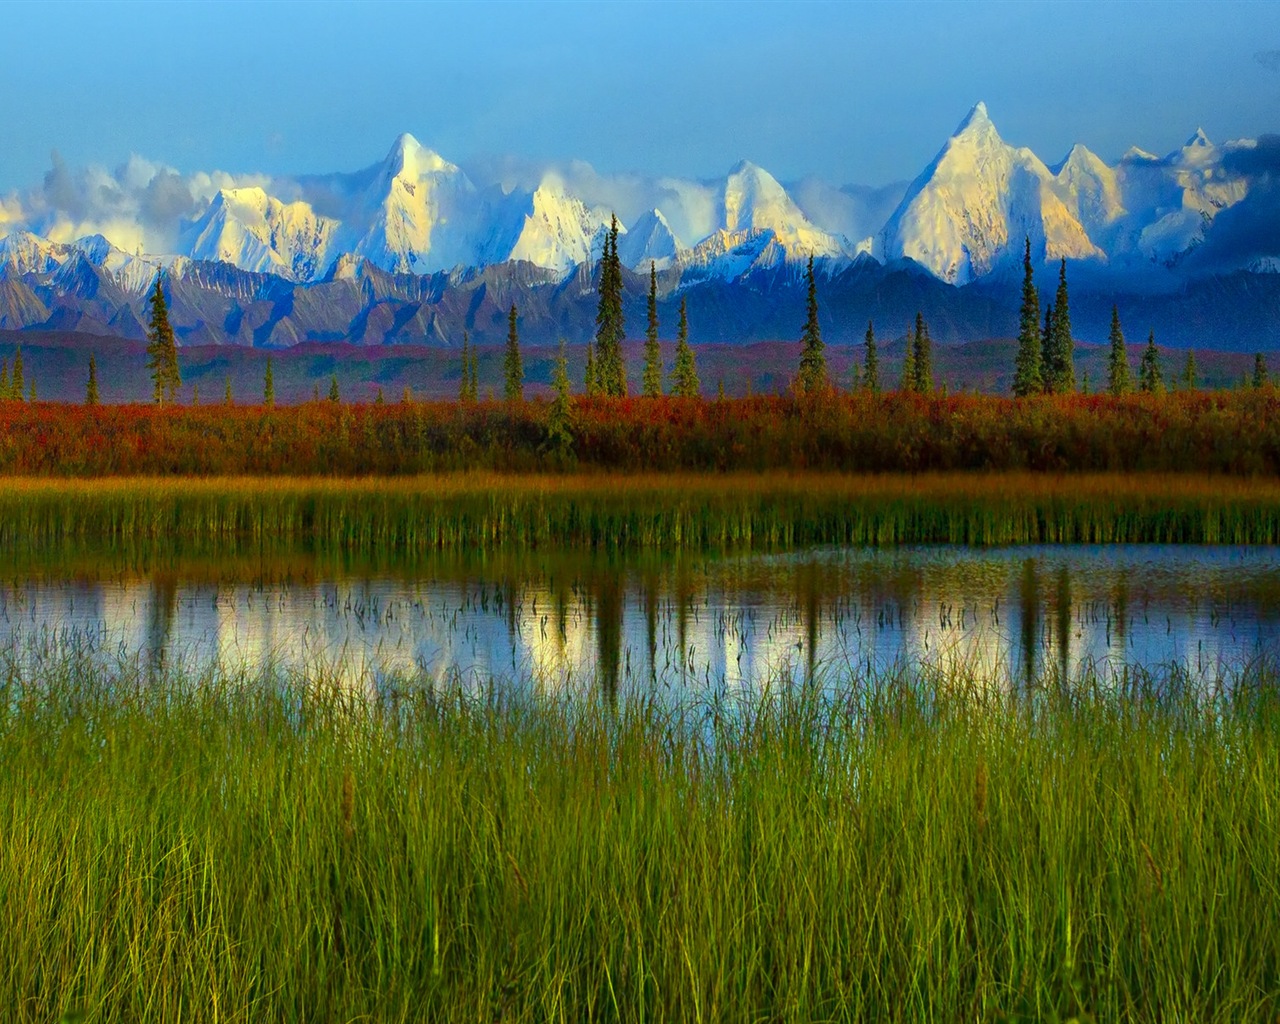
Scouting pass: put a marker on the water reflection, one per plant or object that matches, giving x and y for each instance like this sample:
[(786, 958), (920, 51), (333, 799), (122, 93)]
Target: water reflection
[(1014, 615)]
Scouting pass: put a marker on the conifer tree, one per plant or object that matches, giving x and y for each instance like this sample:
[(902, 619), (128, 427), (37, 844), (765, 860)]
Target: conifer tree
[(611, 372), (378, 399), (4, 381), (1048, 360), (652, 351), (1260, 376), (269, 386), (1119, 379), (590, 384), (465, 394), (162, 348), (1150, 379), (1190, 372), (18, 387), (195, 394), (334, 394), (871, 362), (1064, 368), (560, 414), (812, 377), (909, 365), (923, 357), (684, 378), (1028, 374), (227, 397), (33, 389), (91, 390), (513, 365)]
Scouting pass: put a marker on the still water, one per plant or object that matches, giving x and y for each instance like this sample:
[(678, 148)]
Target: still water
[(1010, 615)]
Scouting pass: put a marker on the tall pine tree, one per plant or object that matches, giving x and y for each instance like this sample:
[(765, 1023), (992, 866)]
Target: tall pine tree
[(1028, 375), (91, 389), (17, 387), (4, 381), (611, 372), (560, 414), (909, 365), (922, 355), (590, 380), (1150, 379), (1049, 356), (1260, 376), (1190, 372), (269, 386), (1119, 379), (1063, 380), (652, 350), (684, 378), (512, 364), (871, 362), (162, 348), (812, 377)]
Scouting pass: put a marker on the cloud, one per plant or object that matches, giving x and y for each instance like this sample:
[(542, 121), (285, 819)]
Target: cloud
[(1269, 59), (1250, 229), (1258, 161)]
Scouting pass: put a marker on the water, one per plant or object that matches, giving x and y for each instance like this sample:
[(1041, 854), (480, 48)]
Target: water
[(1010, 615)]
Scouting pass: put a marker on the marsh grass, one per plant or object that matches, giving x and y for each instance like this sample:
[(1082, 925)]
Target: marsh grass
[(392, 518), (906, 847)]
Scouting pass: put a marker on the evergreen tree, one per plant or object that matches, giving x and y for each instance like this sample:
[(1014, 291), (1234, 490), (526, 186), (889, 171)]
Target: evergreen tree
[(1119, 379), (1260, 376), (684, 378), (1084, 382), (513, 365), (1063, 380), (269, 387), (1028, 374), (1150, 379), (909, 365), (812, 377), (1190, 372), (923, 357), (91, 390), (18, 387), (195, 394), (590, 385), (33, 389), (560, 415), (334, 394), (227, 397), (378, 399), (162, 348), (611, 372), (4, 381), (871, 364), (465, 392), (855, 375), (1048, 360), (652, 350)]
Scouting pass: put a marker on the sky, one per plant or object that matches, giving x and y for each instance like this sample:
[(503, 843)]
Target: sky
[(860, 93)]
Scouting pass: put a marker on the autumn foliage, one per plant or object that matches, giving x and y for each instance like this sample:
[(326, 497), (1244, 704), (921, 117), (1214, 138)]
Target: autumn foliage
[(1222, 432)]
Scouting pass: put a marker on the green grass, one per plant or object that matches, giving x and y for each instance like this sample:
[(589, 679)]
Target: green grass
[(914, 849), (404, 517)]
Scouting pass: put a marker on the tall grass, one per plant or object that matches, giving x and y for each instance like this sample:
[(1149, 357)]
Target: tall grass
[(912, 850), (402, 516)]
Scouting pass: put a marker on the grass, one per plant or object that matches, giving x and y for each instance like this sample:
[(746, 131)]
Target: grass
[(403, 517), (915, 849)]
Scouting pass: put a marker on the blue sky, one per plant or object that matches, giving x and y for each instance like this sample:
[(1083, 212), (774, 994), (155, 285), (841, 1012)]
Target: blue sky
[(854, 93)]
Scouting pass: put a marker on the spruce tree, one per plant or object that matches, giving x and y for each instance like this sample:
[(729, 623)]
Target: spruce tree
[(560, 414), (464, 382), (33, 389), (4, 381), (1028, 376), (1151, 380), (611, 373), (590, 384), (195, 394), (227, 397), (1119, 379), (909, 365), (923, 357), (652, 350), (91, 390), (1190, 372), (871, 364), (684, 378), (475, 372), (1064, 366), (162, 348), (334, 394), (18, 387), (512, 364), (1049, 357), (1260, 376), (812, 377), (269, 386)]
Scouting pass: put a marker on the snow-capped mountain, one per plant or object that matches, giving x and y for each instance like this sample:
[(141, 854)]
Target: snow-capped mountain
[(257, 232), (650, 239)]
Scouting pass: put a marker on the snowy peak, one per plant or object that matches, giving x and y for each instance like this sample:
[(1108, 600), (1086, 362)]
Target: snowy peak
[(259, 233), (752, 200), (410, 159), (977, 124), (1198, 141), (650, 239), (557, 231)]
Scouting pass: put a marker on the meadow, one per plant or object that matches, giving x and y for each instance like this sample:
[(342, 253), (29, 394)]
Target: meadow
[(910, 847), (1229, 432)]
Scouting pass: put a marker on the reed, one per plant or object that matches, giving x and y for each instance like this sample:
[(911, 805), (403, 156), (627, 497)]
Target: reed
[(913, 848), (403, 517)]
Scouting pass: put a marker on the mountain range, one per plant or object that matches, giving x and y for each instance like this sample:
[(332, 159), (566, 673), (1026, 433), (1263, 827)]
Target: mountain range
[(413, 249)]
